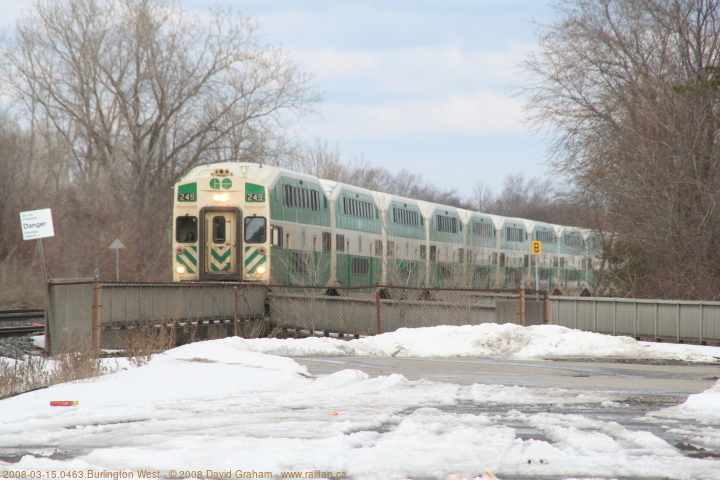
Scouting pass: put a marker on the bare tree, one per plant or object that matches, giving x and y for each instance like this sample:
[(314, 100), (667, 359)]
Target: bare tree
[(139, 91), (142, 89), (629, 89)]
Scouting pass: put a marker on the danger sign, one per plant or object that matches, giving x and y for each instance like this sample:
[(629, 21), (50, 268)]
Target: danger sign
[(37, 224)]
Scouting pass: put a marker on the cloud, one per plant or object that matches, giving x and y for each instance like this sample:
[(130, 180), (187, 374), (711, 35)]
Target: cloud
[(483, 113), (421, 71)]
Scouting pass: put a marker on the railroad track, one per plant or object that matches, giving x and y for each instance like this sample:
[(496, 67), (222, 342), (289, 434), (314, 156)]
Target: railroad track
[(14, 315), (20, 330), (20, 316)]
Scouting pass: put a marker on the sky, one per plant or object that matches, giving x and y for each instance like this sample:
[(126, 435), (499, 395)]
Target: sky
[(426, 86), (225, 406)]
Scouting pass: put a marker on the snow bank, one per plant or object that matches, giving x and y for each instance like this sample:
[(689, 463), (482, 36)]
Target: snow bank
[(216, 406), (484, 341), (707, 401)]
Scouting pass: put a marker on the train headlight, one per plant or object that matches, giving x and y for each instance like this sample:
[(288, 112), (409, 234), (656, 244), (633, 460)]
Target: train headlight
[(261, 270), (180, 269), (221, 197)]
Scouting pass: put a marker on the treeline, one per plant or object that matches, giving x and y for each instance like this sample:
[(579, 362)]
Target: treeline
[(629, 90), (107, 104)]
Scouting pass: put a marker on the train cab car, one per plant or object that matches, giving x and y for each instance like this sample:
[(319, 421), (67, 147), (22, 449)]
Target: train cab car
[(220, 226)]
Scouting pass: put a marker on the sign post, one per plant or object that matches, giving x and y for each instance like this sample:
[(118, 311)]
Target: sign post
[(536, 248), (117, 245), (38, 224)]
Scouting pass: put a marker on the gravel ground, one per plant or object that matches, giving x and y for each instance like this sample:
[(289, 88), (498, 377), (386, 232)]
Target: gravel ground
[(17, 347)]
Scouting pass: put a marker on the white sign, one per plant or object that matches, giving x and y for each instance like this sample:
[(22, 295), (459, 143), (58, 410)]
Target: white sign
[(37, 224), (116, 244)]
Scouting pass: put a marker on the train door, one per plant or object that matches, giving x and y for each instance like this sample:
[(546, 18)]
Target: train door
[(220, 248)]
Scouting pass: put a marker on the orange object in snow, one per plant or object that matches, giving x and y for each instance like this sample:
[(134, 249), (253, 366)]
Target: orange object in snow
[(64, 403), (335, 413)]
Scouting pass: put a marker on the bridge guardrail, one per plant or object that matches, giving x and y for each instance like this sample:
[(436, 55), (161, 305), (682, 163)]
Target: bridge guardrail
[(98, 314), (657, 320)]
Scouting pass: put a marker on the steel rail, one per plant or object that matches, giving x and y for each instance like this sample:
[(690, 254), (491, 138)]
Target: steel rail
[(20, 330), (14, 315)]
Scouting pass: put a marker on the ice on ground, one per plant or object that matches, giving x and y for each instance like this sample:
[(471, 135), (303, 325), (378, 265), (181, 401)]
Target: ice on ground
[(216, 406), (485, 340)]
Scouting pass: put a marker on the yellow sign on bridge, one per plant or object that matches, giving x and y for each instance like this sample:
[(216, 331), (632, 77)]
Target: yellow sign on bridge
[(536, 248)]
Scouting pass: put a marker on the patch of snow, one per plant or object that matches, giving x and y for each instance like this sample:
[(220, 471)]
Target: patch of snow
[(487, 340)]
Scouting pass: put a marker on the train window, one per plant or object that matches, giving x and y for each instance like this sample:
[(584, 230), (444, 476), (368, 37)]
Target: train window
[(302, 263), (445, 271), (360, 266), (573, 240), (423, 252), (494, 258), (186, 229), (514, 276), (461, 255), (470, 257), (358, 208), (544, 274), (390, 248), (483, 229), (255, 228), (572, 276), (276, 236), (481, 273), (219, 229), (502, 259), (446, 224), (526, 261), (300, 197), (433, 253), (340, 242), (405, 269), (406, 217), (514, 234), (378, 248), (545, 237), (326, 237)]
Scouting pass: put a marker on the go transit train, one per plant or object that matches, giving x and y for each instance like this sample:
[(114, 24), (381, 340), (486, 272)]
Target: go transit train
[(253, 222)]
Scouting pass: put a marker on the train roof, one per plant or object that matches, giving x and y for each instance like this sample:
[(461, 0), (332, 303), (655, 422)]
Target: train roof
[(269, 175)]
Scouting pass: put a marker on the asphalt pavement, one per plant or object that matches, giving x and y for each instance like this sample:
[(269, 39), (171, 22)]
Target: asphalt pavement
[(616, 376)]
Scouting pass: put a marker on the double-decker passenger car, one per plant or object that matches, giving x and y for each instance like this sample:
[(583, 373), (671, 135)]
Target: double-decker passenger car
[(252, 222)]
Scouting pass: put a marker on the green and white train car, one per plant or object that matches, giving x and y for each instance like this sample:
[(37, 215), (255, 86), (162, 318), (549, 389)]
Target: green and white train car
[(252, 222)]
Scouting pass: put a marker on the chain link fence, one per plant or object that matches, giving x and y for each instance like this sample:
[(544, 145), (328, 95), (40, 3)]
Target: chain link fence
[(89, 313)]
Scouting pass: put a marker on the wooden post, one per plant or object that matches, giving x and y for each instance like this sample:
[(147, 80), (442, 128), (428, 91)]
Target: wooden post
[(521, 307), (96, 315), (377, 307), (546, 308)]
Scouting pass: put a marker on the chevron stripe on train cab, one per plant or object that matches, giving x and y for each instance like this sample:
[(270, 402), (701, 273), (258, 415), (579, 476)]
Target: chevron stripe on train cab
[(188, 258), (254, 259), (220, 261)]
